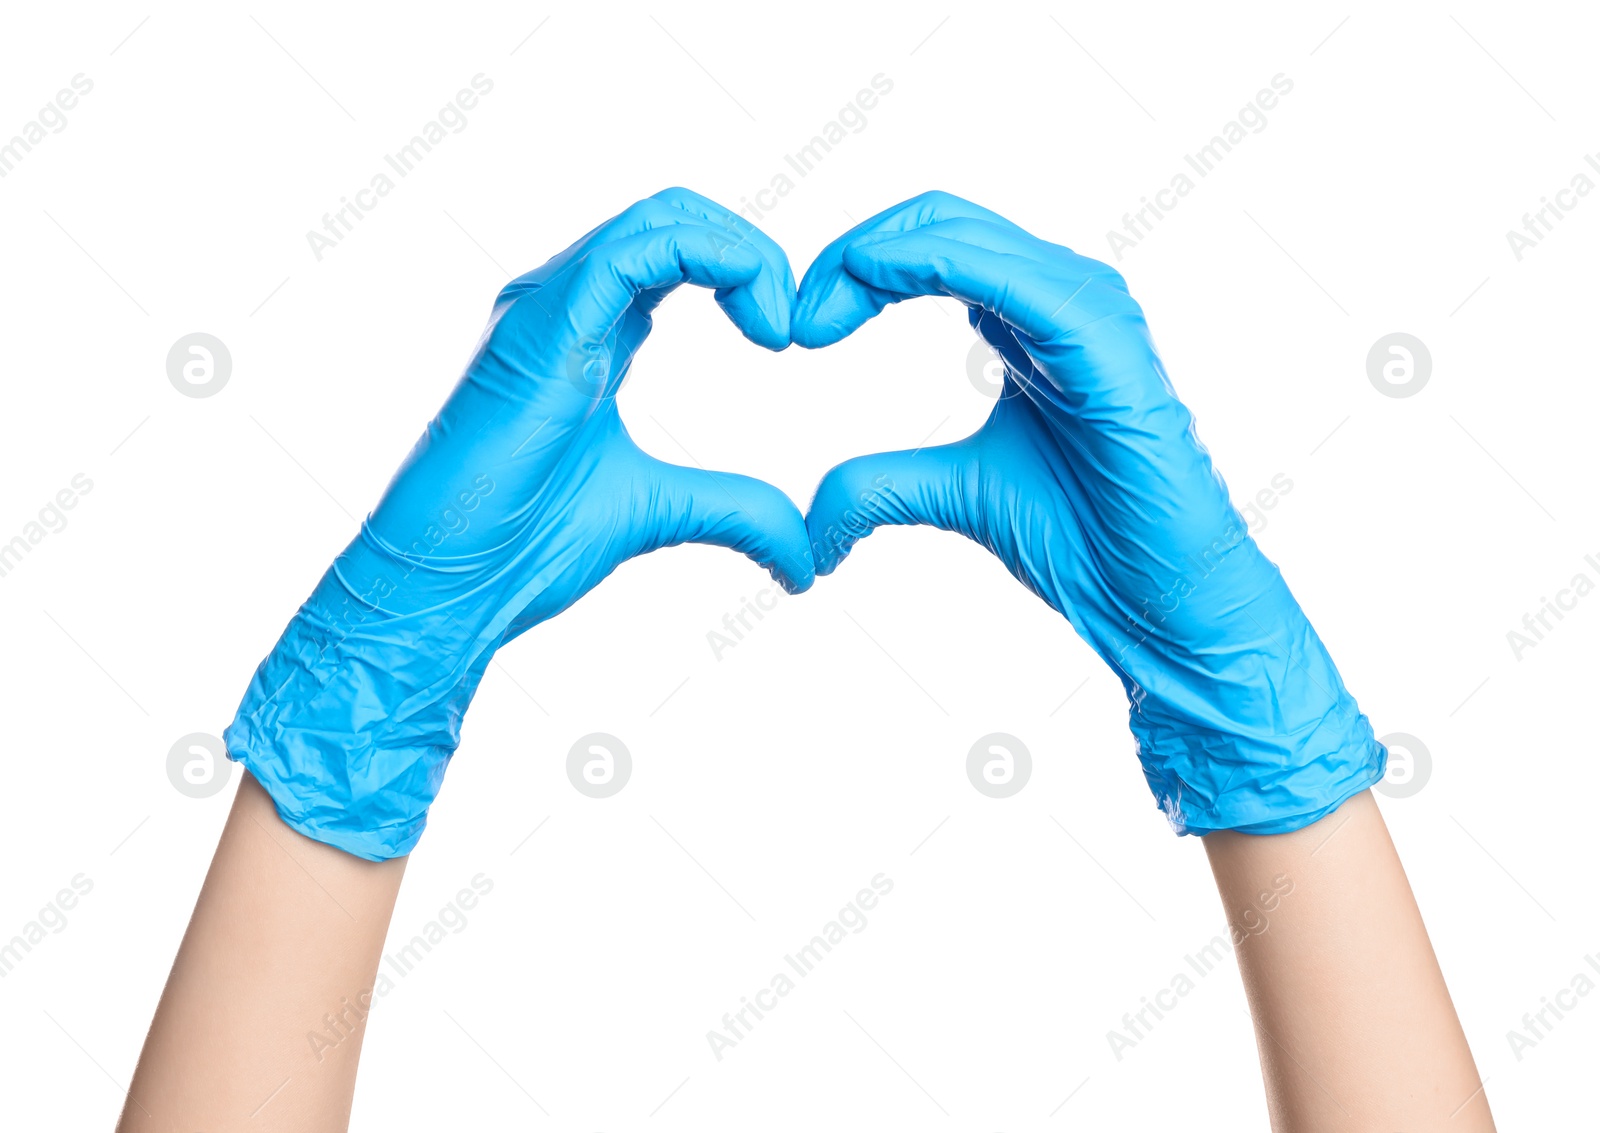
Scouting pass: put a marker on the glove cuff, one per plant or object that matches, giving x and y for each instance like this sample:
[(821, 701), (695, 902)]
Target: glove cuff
[(1261, 786), (352, 718)]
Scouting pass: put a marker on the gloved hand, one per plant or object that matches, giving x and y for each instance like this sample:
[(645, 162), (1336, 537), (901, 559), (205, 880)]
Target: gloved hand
[(1089, 483), (524, 492)]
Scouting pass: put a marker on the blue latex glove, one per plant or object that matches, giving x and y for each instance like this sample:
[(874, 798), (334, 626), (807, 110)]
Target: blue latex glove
[(524, 492), (1089, 483)]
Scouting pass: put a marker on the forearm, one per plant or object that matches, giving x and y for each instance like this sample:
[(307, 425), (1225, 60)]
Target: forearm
[(1354, 1024), (286, 932), (351, 719)]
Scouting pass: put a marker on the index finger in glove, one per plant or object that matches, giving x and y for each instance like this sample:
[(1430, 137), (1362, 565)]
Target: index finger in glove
[(832, 303)]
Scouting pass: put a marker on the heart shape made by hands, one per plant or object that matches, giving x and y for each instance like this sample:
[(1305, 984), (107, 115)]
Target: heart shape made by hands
[(1087, 481)]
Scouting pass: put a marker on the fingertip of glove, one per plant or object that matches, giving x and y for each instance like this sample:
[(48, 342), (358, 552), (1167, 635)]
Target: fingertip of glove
[(825, 555), (821, 319), (794, 573), (796, 586), (809, 336), (766, 324), (775, 339)]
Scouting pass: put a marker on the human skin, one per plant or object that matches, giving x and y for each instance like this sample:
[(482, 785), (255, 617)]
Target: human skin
[(286, 931), (1354, 1024)]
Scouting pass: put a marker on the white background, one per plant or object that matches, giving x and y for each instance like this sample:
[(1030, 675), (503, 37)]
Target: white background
[(827, 746)]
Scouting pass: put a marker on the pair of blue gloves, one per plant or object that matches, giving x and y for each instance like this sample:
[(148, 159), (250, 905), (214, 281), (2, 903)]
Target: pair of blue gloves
[(1087, 481)]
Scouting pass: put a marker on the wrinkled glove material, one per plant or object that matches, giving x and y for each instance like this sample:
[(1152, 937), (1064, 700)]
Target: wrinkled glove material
[(524, 492), (1089, 483)]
